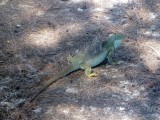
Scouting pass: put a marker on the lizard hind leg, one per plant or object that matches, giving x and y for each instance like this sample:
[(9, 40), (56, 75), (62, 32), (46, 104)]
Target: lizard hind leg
[(88, 70)]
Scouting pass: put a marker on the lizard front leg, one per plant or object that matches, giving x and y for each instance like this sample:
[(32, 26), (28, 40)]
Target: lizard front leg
[(109, 57), (88, 70)]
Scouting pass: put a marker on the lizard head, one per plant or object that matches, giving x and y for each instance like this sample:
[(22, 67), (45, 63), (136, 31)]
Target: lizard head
[(114, 40), (118, 38)]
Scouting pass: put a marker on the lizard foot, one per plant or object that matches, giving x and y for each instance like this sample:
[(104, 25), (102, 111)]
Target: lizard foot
[(92, 75), (114, 63)]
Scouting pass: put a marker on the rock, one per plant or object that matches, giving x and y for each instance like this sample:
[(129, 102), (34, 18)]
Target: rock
[(71, 90)]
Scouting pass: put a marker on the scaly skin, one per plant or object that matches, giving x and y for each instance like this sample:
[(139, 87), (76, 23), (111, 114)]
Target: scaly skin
[(91, 58)]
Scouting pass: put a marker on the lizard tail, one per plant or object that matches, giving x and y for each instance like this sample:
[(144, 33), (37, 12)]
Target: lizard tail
[(54, 78)]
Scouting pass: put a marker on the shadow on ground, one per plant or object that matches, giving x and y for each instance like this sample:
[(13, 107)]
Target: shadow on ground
[(128, 90)]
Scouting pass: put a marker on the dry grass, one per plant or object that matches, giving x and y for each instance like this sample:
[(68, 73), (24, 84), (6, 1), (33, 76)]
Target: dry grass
[(36, 37)]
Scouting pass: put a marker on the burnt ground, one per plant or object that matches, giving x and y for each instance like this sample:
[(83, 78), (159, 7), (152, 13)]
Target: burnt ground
[(36, 36)]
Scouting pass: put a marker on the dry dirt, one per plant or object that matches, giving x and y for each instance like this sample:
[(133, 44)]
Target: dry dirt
[(36, 36)]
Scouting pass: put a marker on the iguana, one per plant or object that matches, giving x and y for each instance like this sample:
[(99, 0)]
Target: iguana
[(91, 58)]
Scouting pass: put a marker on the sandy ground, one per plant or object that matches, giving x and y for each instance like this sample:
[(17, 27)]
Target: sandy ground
[(36, 36)]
